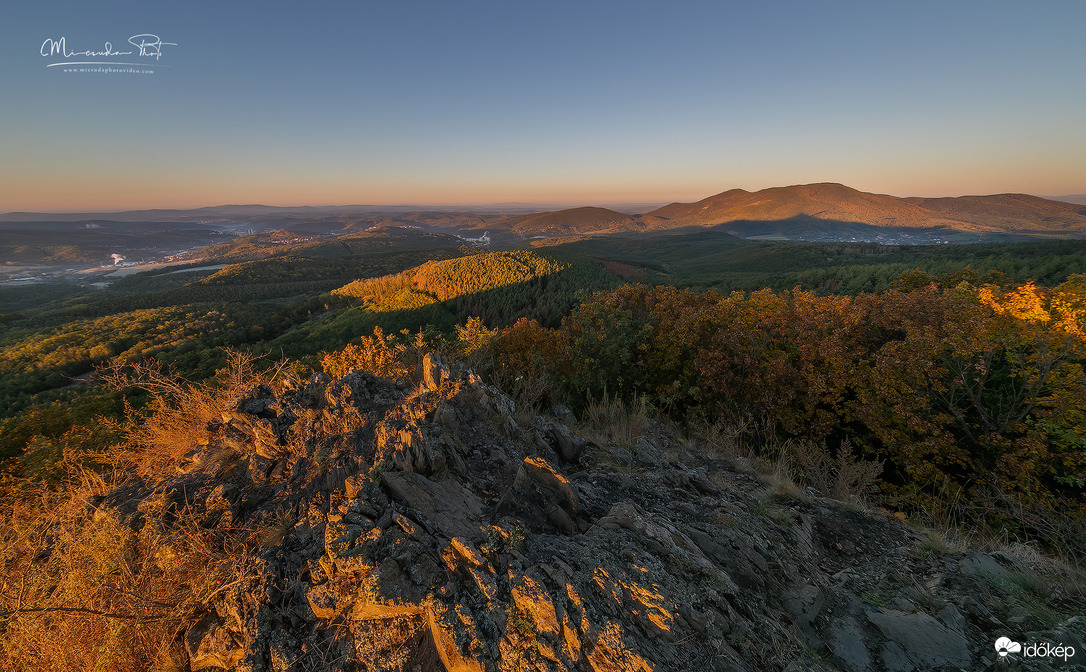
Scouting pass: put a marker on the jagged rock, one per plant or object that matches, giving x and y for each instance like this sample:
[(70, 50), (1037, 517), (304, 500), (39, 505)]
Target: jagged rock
[(646, 453), (261, 402), (1070, 633), (610, 653), (396, 593), (804, 603), (983, 564), (847, 642), (671, 561), (412, 451), (339, 537), (121, 505), (454, 634), (283, 651), (745, 565), (209, 644), (314, 389), (356, 484), (666, 537), (952, 618), (464, 550), (434, 372), (542, 497), (532, 599), (250, 434)]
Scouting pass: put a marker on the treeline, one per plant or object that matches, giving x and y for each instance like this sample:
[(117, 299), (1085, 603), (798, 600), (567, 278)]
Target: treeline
[(713, 259), (475, 273)]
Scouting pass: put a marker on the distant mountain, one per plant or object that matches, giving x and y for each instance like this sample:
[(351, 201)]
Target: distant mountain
[(573, 220), (262, 212), (1003, 213), (194, 214), (1008, 212), (820, 211), (828, 209)]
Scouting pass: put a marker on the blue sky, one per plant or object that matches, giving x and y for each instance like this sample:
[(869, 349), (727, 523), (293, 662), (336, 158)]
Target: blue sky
[(558, 102)]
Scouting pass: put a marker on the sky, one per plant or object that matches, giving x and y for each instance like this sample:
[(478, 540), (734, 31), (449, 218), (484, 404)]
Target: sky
[(586, 102)]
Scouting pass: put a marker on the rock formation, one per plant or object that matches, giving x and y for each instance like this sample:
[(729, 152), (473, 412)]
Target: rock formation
[(425, 529)]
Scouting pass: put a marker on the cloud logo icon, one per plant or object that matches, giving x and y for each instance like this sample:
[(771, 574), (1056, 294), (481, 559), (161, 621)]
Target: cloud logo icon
[(1005, 645)]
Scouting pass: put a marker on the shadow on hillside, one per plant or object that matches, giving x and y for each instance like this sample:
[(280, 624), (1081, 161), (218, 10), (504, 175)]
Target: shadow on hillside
[(807, 228)]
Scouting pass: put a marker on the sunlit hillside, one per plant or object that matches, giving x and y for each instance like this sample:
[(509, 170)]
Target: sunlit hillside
[(455, 277)]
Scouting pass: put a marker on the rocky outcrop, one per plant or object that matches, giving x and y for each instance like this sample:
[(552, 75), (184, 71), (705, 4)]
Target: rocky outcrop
[(426, 530)]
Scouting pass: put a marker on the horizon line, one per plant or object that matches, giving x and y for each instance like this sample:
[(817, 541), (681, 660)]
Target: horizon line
[(520, 204)]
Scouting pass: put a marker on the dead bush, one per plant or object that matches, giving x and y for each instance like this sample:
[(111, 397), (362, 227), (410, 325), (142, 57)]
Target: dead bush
[(844, 476), (83, 590), (176, 419)]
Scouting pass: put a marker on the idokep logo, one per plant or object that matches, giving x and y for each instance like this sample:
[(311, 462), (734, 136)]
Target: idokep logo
[(1006, 646)]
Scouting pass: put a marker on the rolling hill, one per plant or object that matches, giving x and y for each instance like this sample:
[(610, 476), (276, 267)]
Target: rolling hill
[(824, 211), (1002, 213), (572, 220)]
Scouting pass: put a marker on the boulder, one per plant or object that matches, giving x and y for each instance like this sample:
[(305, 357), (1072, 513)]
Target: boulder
[(532, 599), (568, 445)]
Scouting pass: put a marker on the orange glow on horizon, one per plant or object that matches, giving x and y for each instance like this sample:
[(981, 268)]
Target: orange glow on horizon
[(30, 193)]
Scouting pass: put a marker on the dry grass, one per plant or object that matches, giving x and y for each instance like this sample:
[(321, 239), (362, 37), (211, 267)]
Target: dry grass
[(731, 438), (784, 464), (393, 356), (611, 420), (179, 411), (82, 590)]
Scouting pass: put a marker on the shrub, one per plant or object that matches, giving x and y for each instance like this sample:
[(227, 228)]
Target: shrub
[(176, 418)]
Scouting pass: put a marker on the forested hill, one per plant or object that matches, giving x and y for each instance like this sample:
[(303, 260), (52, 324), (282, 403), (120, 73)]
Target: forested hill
[(1004, 213)]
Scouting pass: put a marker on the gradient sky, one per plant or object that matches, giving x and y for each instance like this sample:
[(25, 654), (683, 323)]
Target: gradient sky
[(458, 102)]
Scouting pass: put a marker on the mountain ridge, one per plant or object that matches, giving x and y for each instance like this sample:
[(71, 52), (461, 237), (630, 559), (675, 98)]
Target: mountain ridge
[(1006, 213), (1003, 213)]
